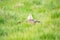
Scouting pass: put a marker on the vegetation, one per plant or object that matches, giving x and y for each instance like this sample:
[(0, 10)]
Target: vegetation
[(13, 11)]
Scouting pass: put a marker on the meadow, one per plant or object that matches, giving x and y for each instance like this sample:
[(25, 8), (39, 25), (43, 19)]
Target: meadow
[(14, 11)]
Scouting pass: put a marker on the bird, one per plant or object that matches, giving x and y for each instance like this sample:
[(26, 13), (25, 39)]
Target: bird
[(31, 19)]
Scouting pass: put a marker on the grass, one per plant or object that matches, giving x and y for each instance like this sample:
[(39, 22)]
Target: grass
[(13, 11)]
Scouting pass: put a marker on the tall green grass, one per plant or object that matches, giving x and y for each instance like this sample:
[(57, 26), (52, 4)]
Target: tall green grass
[(14, 11)]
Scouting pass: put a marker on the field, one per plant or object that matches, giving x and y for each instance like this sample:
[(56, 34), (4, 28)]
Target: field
[(14, 11)]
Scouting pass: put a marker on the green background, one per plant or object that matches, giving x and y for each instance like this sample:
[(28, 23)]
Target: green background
[(13, 11)]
